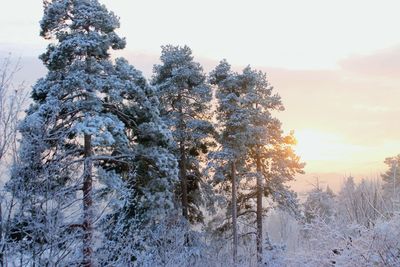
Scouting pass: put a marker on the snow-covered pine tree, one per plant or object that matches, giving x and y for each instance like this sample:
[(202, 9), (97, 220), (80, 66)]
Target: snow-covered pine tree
[(371, 204), (391, 183), (329, 191), (347, 204), (232, 125), (185, 100), (362, 203), (68, 136), (264, 152), (319, 206), (270, 156), (147, 200)]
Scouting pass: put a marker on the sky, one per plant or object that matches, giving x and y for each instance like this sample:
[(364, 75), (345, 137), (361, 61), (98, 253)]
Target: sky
[(336, 65)]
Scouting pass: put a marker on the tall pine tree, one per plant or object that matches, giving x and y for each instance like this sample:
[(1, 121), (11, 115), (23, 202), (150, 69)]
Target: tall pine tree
[(253, 142), (271, 159), (146, 200), (69, 135), (233, 136), (185, 104)]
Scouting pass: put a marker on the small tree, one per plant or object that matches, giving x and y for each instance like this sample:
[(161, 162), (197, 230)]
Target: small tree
[(362, 204), (12, 100), (319, 205), (391, 183)]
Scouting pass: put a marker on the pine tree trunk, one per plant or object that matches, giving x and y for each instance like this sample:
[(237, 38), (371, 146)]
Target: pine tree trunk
[(234, 212), (182, 174), (87, 203), (259, 211), (182, 161)]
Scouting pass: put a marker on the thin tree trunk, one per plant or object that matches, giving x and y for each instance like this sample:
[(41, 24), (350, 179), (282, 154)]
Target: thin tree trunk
[(182, 174), (87, 203), (182, 162), (234, 212), (1, 238), (259, 211), (5, 225)]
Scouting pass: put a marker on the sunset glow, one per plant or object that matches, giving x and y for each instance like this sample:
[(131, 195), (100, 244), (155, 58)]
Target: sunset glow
[(314, 145), (338, 78)]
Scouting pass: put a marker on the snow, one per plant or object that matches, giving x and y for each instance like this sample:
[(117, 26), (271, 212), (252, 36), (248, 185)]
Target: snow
[(103, 153)]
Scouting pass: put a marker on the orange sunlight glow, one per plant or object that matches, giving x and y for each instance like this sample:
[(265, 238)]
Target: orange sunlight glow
[(322, 150), (314, 145)]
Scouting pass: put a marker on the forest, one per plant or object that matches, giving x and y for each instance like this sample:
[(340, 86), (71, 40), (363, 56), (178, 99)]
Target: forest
[(102, 166)]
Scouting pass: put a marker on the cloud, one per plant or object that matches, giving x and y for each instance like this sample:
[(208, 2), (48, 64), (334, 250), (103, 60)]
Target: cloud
[(362, 107), (375, 109), (384, 63)]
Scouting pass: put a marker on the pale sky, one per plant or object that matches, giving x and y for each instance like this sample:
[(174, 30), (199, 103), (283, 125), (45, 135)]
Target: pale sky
[(336, 64)]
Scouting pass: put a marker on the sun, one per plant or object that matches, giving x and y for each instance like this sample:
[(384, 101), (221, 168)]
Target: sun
[(313, 145)]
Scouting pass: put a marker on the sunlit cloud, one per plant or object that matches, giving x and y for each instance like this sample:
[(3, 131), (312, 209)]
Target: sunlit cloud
[(374, 109), (384, 62)]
